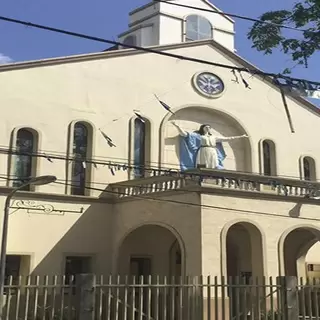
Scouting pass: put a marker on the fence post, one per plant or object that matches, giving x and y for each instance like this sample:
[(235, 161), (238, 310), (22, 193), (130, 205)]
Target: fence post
[(85, 295), (289, 297)]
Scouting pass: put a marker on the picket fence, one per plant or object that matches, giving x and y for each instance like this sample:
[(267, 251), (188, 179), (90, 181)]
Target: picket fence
[(87, 296)]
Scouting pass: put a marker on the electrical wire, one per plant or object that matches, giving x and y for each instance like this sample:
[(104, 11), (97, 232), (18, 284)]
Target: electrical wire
[(149, 50), (144, 197), (222, 13), (153, 199), (123, 165), (205, 206)]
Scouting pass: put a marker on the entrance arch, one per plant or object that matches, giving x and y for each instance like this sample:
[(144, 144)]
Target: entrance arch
[(243, 245), (151, 249), (294, 245), (242, 261)]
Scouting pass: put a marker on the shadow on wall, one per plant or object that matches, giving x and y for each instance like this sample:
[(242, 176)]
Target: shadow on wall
[(190, 119), (159, 250), (89, 237)]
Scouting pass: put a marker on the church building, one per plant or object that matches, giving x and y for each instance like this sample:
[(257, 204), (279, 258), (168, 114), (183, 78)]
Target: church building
[(164, 166)]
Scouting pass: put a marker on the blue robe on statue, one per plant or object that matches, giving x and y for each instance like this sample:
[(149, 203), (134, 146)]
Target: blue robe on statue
[(189, 147)]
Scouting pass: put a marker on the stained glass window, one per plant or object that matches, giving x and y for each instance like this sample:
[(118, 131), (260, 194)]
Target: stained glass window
[(309, 168), (80, 149), (306, 169), (139, 147), (198, 28), (25, 144), (266, 158)]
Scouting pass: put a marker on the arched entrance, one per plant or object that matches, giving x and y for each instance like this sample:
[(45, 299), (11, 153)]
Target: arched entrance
[(294, 246), (151, 254), (150, 250), (244, 264), (244, 251)]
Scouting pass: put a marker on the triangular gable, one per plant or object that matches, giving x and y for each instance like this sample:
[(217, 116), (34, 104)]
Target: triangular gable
[(127, 52)]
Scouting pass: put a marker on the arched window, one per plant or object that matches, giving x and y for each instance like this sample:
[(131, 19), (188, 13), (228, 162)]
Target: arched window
[(24, 164), (139, 153), (81, 150), (198, 28), (268, 158), (130, 40), (308, 169)]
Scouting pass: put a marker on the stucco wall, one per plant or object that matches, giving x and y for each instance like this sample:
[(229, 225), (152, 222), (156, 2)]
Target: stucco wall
[(49, 98), (94, 91), (274, 219), (183, 221), (48, 237)]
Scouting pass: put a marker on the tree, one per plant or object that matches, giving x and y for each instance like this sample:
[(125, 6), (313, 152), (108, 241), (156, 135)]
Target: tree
[(301, 45)]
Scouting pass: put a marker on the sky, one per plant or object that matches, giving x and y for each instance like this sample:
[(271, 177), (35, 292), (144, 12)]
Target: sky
[(107, 19)]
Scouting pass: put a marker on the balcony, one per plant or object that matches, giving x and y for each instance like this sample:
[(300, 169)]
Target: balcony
[(217, 181)]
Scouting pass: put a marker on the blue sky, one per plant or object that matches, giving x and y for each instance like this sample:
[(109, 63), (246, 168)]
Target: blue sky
[(101, 19)]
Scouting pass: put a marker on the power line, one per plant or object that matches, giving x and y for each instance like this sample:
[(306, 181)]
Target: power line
[(149, 50), (123, 165), (205, 206), (168, 200), (139, 186), (234, 16), (144, 197)]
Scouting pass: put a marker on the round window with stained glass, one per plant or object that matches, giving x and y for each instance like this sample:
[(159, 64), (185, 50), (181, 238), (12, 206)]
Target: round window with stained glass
[(208, 84)]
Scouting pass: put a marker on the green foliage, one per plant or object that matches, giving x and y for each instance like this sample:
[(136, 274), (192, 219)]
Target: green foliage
[(299, 45)]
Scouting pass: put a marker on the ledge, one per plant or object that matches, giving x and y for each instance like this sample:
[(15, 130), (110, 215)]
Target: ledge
[(205, 181), (219, 182)]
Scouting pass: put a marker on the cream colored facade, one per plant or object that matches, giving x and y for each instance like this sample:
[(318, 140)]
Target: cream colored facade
[(232, 223)]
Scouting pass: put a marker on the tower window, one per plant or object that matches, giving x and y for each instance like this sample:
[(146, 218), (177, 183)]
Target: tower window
[(198, 28)]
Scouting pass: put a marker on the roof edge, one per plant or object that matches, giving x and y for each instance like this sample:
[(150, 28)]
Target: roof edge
[(205, 1), (268, 79), (95, 56), (126, 52)]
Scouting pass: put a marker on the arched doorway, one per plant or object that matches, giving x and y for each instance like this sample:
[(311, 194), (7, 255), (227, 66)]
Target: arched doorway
[(244, 251), (294, 247), (244, 264), (151, 255), (150, 250)]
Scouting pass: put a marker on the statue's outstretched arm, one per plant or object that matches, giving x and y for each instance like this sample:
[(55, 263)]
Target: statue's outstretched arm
[(231, 138), (182, 132)]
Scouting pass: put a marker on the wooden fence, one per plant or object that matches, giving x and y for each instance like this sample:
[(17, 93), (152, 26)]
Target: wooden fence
[(88, 296)]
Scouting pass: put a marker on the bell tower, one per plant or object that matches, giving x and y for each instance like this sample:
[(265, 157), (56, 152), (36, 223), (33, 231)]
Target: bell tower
[(160, 23)]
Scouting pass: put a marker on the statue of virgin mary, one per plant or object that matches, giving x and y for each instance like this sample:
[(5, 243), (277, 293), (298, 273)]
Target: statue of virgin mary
[(201, 148)]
